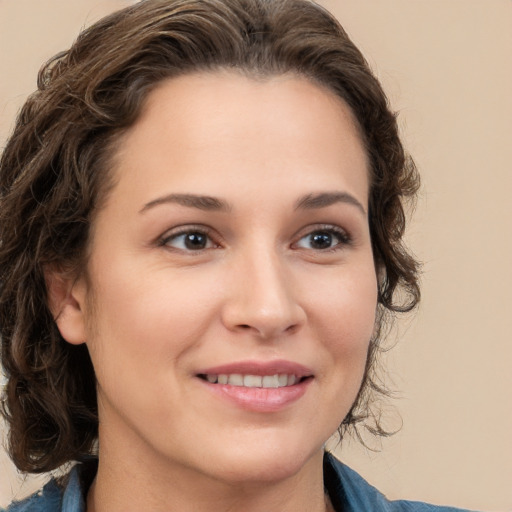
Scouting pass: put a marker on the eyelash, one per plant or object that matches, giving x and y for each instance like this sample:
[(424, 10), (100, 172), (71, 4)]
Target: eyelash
[(187, 230), (343, 237)]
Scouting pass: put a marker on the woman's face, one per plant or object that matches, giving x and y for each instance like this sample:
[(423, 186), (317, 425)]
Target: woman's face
[(233, 248)]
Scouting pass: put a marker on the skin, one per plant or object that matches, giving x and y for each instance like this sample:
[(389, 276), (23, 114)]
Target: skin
[(153, 312)]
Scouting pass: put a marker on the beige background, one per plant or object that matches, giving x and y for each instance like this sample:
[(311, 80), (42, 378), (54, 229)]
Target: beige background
[(446, 65)]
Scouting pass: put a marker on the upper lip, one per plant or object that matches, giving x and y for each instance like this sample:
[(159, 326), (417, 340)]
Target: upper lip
[(261, 368)]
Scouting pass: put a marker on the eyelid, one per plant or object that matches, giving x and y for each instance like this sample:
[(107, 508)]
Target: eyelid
[(343, 234), (177, 231), (216, 240)]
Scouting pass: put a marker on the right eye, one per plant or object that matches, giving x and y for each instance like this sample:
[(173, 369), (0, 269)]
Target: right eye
[(188, 240)]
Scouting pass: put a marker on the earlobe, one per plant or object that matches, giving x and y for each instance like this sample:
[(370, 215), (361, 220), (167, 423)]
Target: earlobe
[(66, 297)]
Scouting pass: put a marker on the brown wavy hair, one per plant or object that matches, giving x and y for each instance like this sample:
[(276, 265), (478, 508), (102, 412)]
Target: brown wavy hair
[(54, 175)]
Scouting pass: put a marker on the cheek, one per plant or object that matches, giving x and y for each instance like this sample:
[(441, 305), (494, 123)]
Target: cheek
[(344, 316), (149, 319), (346, 307)]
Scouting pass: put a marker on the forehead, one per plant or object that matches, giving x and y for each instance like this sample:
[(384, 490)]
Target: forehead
[(202, 127)]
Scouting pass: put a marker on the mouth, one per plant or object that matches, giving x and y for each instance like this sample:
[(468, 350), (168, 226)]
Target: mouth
[(254, 381), (258, 386)]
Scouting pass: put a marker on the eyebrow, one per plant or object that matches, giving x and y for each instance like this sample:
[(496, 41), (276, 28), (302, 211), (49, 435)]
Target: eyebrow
[(206, 203), (209, 203), (325, 199)]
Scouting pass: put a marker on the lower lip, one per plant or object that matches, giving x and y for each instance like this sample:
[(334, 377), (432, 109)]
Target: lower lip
[(260, 399)]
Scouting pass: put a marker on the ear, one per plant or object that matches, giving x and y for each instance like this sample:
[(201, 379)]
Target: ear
[(66, 299)]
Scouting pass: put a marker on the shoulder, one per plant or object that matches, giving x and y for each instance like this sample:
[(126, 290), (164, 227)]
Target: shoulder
[(66, 496), (350, 492), (49, 498)]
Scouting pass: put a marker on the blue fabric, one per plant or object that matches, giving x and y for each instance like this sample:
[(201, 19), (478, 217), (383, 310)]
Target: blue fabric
[(52, 498), (347, 490)]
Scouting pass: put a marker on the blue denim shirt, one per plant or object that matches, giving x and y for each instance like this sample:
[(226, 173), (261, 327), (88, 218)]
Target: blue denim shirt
[(347, 490)]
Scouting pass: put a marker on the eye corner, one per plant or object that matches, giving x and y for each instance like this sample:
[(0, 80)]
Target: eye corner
[(188, 239), (323, 238)]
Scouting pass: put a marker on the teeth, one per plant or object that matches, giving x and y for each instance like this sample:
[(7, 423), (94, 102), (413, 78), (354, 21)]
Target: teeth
[(253, 381), (236, 379), (270, 381)]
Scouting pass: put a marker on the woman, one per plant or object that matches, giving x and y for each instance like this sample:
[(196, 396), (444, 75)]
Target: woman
[(201, 238)]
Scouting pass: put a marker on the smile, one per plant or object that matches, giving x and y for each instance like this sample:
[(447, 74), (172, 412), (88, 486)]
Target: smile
[(263, 387), (258, 398), (252, 381)]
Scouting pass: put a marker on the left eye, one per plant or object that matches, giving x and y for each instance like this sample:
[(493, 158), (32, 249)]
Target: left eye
[(322, 239), (189, 241)]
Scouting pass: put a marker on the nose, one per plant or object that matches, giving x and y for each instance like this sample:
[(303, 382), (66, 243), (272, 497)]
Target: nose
[(262, 297)]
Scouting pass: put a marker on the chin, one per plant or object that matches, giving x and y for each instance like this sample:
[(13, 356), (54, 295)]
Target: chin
[(263, 463)]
